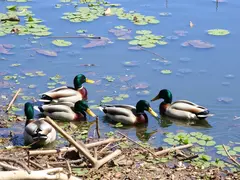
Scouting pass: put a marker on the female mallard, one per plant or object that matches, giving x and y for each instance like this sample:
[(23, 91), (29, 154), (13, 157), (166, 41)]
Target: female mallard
[(181, 109), (37, 132), (127, 114), (66, 113), (68, 95)]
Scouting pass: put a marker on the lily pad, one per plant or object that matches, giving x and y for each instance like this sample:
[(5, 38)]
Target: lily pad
[(218, 32), (166, 71), (198, 44), (61, 43), (46, 52)]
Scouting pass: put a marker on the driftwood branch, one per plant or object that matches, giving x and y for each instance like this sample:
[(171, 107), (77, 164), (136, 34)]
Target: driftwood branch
[(13, 99), (8, 167), (172, 149), (37, 175), (82, 148), (17, 162), (67, 149), (230, 157), (144, 148)]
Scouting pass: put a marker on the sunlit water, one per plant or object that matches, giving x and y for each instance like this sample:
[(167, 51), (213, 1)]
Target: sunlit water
[(207, 70)]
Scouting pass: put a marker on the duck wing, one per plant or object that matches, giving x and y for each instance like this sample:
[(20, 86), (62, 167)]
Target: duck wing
[(120, 113)]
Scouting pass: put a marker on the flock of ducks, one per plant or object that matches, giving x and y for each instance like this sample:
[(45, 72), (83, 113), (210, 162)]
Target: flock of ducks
[(70, 104)]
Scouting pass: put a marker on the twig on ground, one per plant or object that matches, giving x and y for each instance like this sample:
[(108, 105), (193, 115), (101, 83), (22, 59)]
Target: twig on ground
[(13, 99), (8, 167), (69, 168), (230, 157), (35, 164), (67, 149), (17, 162), (63, 162), (48, 174), (82, 148), (144, 148), (172, 149)]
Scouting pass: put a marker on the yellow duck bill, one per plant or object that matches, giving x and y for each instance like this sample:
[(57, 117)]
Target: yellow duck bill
[(152, 112), (89, 81), (156, 98), (90, 112)]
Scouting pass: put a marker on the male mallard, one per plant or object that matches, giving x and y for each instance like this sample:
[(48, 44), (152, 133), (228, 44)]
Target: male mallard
[(181, 109), (37, 131), (127, 114), (68, 95), (66, 113)]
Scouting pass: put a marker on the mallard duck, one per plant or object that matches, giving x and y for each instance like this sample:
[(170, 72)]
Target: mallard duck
[(37, 131), (181, 109), (127, 114), (66, 113), (68, 95)]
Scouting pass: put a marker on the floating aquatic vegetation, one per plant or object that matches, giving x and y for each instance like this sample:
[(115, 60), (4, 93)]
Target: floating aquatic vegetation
[(166, 14), (166, 71), (94, 11), (5, 48), (185, 138), (198, 44), (143, 93), (130, 63), (46, 52), (81, 31), (19, 1), (10, 22), (146, 39), (172, 37), (218, 32), (225, 99), (121, 32), (181, 32), (61, 43), (141, 85), (109, 78), (102, 41)]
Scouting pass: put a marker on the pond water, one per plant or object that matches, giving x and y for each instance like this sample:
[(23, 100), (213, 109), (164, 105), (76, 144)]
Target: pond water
[(205, 76)]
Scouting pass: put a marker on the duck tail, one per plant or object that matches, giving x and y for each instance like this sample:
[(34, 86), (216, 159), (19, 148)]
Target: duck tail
[(102, 109), (204, 114)]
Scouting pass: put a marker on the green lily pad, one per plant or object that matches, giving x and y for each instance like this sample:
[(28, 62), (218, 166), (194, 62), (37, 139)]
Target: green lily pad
[(237, 149), (202, 142), (210, 143), (198, 149), (61, 43), (119, 27), (166, 71), (148, 45), (143, 32), (109, 78), (133, 42), (218, 32)]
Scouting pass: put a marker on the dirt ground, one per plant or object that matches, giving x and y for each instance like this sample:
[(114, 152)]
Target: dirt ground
[(133, 163)]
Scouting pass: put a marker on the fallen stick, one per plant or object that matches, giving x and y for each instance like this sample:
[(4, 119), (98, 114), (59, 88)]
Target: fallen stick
[(35, 164), (172, 149), (37, 175), (97, 127), (152, 52), (230, 157), (69, 168), (66, 149), (17, 162), (63, 162), (95, 37), (8, 167), (82, 148), (13, 99), (189, 157), (144, 148)]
